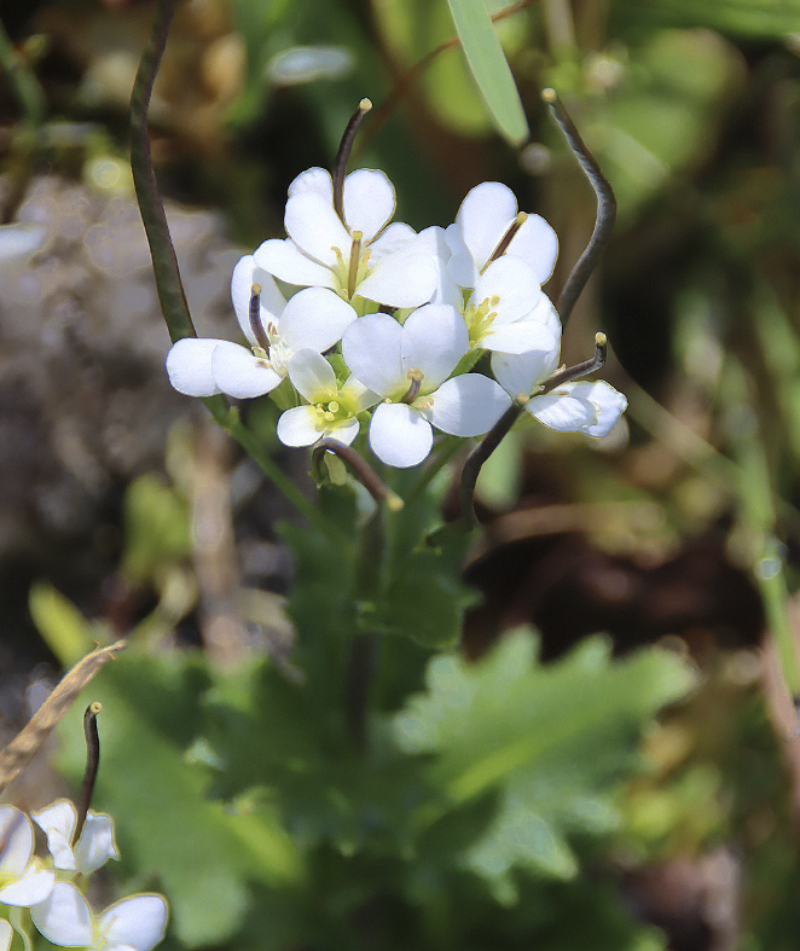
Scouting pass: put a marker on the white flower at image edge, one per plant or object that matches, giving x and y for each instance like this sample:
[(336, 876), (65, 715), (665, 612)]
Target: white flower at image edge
[(313, 319), (94, 847), (592, 408), (23, 880), (332, 410), (408, 365), (66, 919), (484, 219), (389, 266)]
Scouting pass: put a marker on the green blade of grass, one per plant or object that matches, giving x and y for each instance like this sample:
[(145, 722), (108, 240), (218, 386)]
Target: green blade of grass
[(490, 67)]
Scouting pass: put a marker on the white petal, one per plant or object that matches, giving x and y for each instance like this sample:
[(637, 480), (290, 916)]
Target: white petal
[(396, 237), (16, 836), (6, 934), (64, 917), (369, 202), (403, 279), (461, 266), (138, 922), (311, 375), (315, 228), (189, 366), (33, 887), (299, 426), (591, 408), (371, 350), (520, 372), (96, 844), (447, 291), (468, 405), (485, 216), (288, 263), (536, 243), (316, 180), (246, 273), (315, 318), (546, 314), (239, 373), (519, 337), (399, 436), (514, 283), (435, 338), (344, 432), (57, 821)]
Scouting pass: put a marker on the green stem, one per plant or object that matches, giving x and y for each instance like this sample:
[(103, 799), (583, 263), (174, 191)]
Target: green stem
[(165, 264), (230, 421), (363, 648)]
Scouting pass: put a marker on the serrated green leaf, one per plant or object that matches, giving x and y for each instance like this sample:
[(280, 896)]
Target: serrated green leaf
[(490, 67), (551, 740)]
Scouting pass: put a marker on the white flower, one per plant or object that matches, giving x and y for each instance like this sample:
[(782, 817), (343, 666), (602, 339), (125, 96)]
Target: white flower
[(94, 847), (364, 256), (23, 881), (507, 311), (409, 365), (591, 408), (486, 215), (133, 924), (314, 319), (332, 410)]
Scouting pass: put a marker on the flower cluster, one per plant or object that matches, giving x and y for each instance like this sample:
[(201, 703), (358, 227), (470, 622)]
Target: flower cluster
[(387, 325), (53, 890)]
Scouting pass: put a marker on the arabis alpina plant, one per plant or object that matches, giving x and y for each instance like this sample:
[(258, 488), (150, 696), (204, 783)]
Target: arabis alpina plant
[(452, 295), (489, 226), (358, 255), (409, 366), (276, 329), (331, 411)]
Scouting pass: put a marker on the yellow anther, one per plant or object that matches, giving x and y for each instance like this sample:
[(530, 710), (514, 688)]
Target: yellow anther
[(600, 339)]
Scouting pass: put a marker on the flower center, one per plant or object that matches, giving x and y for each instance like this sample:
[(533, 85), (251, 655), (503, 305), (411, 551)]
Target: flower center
[(350, 272), (479, 318), (333, 408), (416, 377)]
